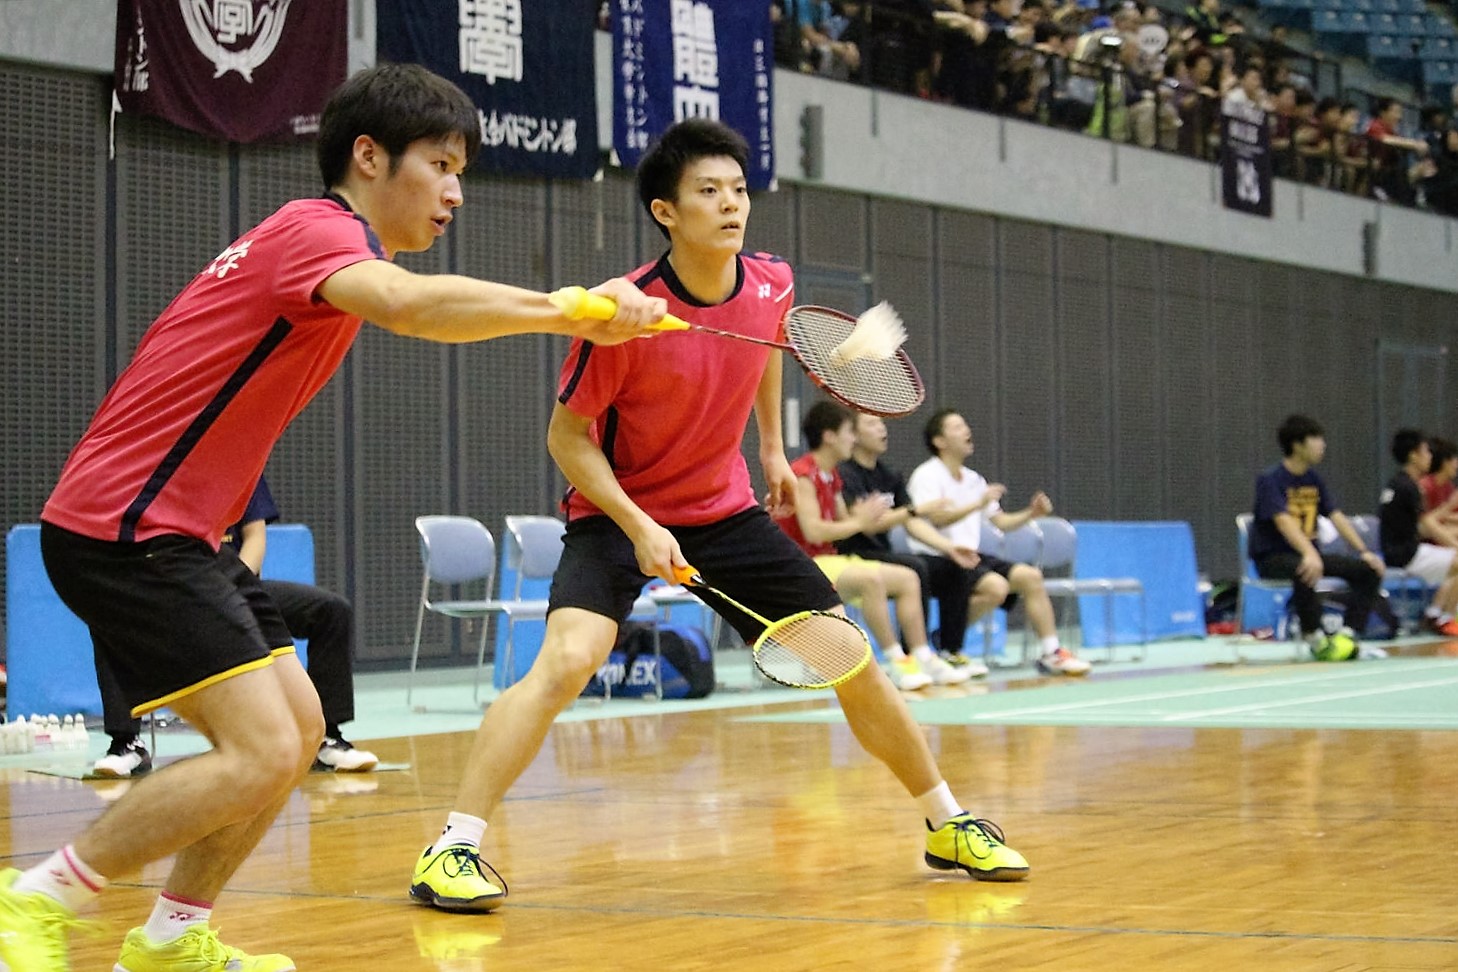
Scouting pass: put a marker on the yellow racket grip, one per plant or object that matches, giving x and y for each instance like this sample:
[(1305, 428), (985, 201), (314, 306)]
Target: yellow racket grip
[(575, 303)]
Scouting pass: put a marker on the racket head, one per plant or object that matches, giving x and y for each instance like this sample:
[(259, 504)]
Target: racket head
[(888, 387), (812, 650)]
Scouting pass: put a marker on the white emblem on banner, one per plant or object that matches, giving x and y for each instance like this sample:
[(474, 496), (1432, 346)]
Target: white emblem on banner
[(695, 61), (217, 27), (491, 39)]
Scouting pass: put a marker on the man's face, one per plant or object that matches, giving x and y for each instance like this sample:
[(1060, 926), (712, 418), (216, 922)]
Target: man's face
[(871, 434), (1251, 82), (842, 441), (1310, 450), (417, 199), (1422, 458), (955, 440), (1448, 471), (712, 206)]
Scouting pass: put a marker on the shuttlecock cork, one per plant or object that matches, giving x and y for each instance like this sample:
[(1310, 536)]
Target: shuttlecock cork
[(877, 334)]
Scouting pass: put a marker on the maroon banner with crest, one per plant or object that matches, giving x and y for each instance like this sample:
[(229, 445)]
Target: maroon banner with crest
[(239, 70)]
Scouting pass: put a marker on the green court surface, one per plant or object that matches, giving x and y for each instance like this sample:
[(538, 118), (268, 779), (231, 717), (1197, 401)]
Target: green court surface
[(1395, 693)]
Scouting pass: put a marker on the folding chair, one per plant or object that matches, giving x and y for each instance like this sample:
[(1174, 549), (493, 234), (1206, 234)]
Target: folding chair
[(1250, 579), (1408, 590), (534, 548), (1059, 551), (454, 550)]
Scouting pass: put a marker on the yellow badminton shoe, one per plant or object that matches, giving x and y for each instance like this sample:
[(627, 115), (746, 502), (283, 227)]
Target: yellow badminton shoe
[(195, 950), (33, 929), (452, 879), (976, 847)]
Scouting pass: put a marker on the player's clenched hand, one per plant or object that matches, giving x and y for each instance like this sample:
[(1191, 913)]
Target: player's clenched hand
[(964, 557), (780, 498), (657, 552), (636, 310)]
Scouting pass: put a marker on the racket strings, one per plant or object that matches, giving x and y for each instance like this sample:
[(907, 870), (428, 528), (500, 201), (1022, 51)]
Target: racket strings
[(885, 386), (815, 649)]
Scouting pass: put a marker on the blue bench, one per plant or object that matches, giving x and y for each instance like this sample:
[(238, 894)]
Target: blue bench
[(48, 656)]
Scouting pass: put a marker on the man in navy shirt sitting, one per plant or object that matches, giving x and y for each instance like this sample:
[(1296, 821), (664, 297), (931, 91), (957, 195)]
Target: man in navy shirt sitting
[(1289, 498)]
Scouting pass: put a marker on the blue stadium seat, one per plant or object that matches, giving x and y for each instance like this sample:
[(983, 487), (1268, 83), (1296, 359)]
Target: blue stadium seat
[(1438, 49)]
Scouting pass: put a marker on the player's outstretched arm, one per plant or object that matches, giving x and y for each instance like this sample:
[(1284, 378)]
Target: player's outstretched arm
[(569, 440), (455, 310)]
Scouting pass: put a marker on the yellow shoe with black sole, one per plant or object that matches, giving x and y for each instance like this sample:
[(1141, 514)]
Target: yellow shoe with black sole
[(975, 846), (452, 879)]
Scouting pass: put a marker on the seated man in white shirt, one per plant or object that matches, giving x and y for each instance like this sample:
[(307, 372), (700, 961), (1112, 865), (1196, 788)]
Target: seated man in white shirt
[(995, 582)]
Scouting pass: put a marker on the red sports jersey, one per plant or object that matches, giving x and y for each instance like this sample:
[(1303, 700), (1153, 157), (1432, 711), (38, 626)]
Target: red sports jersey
[(182, 437), (827, 487), (670, 411), (1435, 494)]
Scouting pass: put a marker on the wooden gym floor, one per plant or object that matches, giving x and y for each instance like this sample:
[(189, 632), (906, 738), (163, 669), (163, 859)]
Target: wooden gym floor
[(715, 839)]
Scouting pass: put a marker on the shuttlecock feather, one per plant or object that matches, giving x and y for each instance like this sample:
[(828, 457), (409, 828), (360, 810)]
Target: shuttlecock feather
[(877, 334)]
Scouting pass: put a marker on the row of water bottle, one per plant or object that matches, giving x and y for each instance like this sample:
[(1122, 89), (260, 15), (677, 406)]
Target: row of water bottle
[(43, 734)]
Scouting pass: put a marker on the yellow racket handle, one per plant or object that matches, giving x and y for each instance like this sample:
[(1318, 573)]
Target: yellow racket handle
[(575, 303), (689, 577)]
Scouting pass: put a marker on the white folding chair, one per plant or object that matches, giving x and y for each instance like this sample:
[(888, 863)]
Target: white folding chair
[(1059, 552), (533, 550), (454, 550)]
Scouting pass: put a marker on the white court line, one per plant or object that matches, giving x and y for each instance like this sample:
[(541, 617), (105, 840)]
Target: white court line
[(1303, 720), (1332, 697), (1237, 686)]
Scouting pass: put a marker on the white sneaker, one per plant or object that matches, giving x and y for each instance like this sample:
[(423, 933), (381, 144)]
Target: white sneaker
[(122, 762), (907, 675), (1061, 661), (340, 755), (943, 674), (1370, 652)]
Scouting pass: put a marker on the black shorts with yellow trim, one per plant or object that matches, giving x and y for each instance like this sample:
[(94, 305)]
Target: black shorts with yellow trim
[(169, 615), (745, 555)]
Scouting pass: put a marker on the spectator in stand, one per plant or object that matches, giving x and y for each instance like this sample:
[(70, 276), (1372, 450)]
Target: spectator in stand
[(1203, 22), (1439, 495), (1251, 92), (1416, 540), (1197, 101), (1440, 188), (1350, 148), (1313, 142), (822, 28), (1392, 176)]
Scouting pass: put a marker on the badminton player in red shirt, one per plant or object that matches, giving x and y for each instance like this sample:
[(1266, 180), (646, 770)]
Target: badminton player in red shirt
[(131, 533), (648, 434)]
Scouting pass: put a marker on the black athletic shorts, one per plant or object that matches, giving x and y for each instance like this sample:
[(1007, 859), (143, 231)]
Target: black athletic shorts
[(169, 615), (994, 565), (745, 555)]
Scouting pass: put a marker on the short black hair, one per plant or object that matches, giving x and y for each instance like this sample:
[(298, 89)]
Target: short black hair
[(1296, 429), (396, 105), (1404, 443), (822, 417), (933, 427), (660, 170), (1443, 451)]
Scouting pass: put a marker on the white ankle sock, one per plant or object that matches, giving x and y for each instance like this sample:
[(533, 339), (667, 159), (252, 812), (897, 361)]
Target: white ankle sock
[(938, 806), (172, 916), (894, 650), (1050, 644), (923, 652), (461, 830), (64, 877)]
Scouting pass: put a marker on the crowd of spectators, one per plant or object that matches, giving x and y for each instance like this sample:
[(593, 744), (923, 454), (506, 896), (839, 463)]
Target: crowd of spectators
[(1128, 71)]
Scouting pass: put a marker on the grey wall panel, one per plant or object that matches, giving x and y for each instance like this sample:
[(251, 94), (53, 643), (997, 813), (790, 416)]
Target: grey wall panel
[(172, 213), (1188, 425), (52, 287), (1240, 443), (1026, 448), (832, 229), (969, 239), (772, 223), (901, 261), (1140, 454), (271, 175), (966, 362), (593, 230), (1083, 394)]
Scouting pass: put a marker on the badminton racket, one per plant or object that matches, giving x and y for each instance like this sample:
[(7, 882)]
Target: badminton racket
[(808, 650), (876, 377)]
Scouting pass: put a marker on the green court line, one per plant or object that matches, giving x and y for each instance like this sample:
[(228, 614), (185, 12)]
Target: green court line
[(1398, 693)]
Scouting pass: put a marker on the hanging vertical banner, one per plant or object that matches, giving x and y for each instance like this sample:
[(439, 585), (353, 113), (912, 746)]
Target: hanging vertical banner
[(240, 70), (1247, 173), (526, 64), (677, 59)]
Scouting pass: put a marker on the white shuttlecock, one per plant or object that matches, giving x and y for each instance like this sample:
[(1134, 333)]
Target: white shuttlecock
[(878, 334)]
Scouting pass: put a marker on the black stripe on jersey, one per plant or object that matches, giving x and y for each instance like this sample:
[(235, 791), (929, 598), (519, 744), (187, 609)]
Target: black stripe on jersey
[(373, 241), (664, 269), (610, 434), (199, 427), (577, 371)]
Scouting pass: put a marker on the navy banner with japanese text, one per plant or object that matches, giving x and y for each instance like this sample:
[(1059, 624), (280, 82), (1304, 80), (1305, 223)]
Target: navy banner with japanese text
[(526, 64), (238, 70), (677, 59)]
